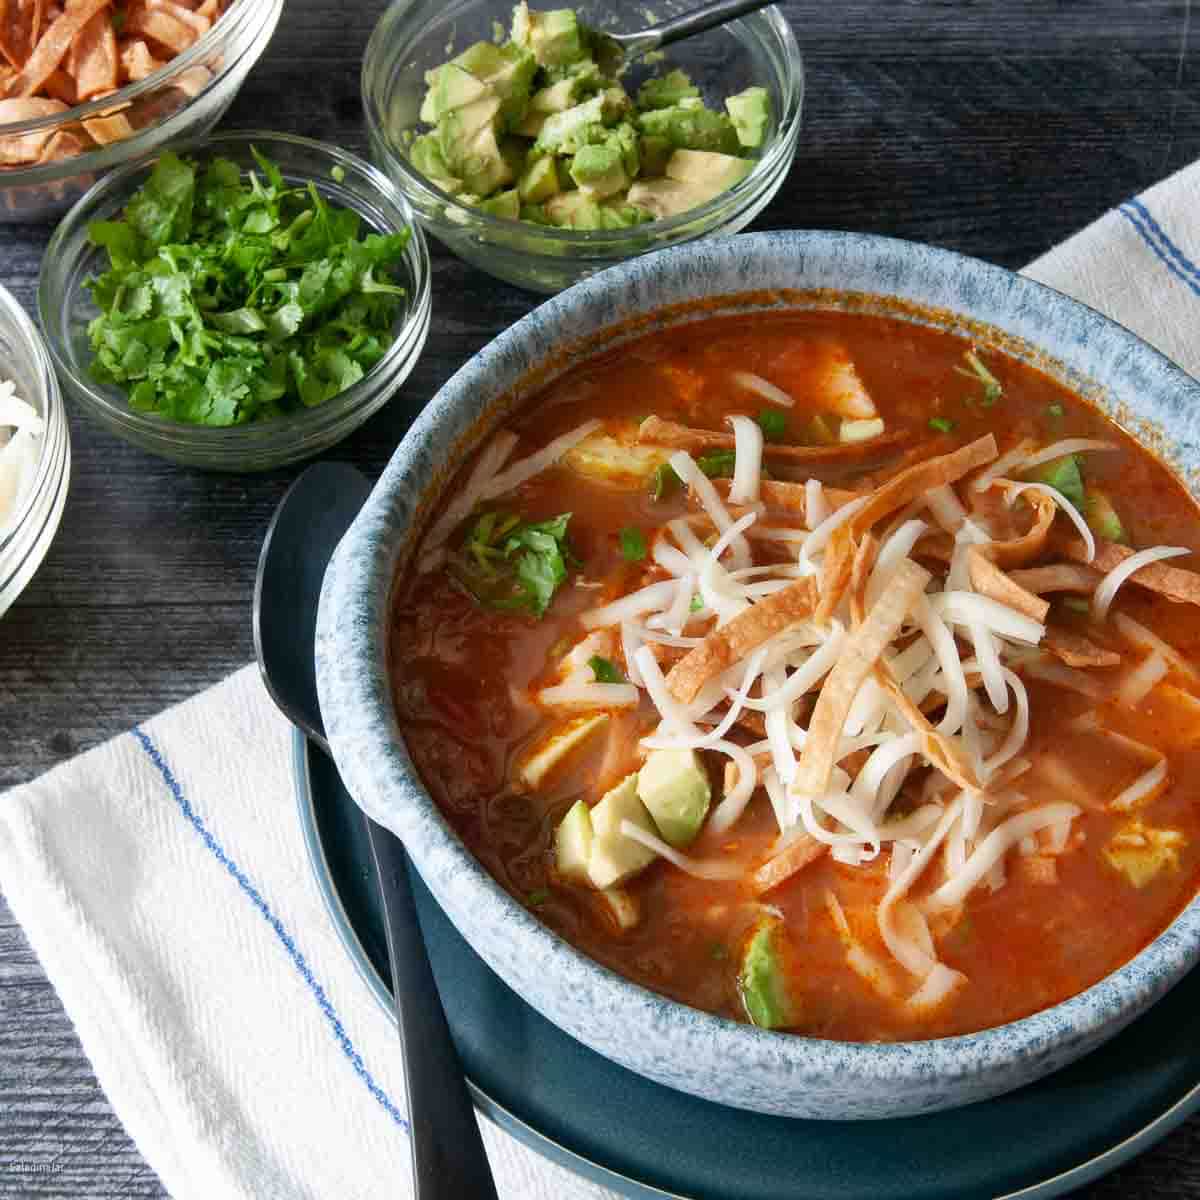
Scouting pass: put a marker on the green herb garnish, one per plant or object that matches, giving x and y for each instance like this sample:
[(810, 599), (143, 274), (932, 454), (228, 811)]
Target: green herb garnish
[(604, 670), (718, 464), (1076, 604), (697, 603), (538, 898), (515, 564), (773, 422), (664, 481), (717, 952), (1055, 411), (992, 388), (232, 298), (633, 543), (941, 424)]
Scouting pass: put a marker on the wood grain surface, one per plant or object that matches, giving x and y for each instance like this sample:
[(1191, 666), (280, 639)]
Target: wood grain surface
[(994, 127)]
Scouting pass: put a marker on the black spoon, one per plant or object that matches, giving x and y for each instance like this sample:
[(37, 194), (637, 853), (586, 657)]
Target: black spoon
[(449, 1162)]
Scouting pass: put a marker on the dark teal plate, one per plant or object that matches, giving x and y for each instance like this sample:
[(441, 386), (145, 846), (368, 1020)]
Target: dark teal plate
[(643, 1140)]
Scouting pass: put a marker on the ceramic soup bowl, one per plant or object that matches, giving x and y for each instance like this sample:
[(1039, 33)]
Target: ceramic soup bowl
[(675, 1045)]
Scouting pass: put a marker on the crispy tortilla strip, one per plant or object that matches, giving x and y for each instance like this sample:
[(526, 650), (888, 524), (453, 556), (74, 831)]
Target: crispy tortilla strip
[(946, 754), (784, 497), (1018, 552), (752, 722), (666, 656), (136, 59), (61, 86), (836, 566), (860, 573), (160, 24), (684, 437), (48, 54), (26, 147), (990, 581), (66, 143), (1076, 650), (918, 479), (92, 60), (748, 630), (861, 651), (15, 32), (1173, 582), (1057, 577), (106, 128), (798, 853), (197, 22), (936, 700), (192, 81)]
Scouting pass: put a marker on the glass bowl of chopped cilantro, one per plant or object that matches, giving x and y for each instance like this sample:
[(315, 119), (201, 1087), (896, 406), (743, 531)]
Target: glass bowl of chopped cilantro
[(527, 150), (237, 304)]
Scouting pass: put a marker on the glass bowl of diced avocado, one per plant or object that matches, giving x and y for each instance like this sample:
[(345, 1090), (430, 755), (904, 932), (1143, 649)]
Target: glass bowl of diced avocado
[(238, 303), (528, 152)]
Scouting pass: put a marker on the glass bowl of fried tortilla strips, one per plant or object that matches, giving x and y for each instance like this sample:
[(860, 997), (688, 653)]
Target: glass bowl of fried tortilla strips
[(237, 303), (86, 85)]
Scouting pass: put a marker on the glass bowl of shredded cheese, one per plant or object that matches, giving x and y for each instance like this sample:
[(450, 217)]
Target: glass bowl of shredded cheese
[(35, 450)]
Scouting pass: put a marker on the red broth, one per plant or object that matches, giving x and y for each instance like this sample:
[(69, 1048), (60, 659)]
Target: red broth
[(464, 677)]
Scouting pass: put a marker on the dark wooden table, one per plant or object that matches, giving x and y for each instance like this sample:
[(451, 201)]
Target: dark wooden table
[(995, 127)]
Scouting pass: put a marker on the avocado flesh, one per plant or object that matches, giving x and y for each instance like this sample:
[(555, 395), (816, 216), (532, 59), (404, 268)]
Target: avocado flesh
[(691, 128), (539, 181), (669, 197), (674, 787), (1062, 474), (750, 112), (1102, 517), (599, 171), (573, 843), (450, 88), (615, 857), (707, 168), (666, 90), (762, 983)]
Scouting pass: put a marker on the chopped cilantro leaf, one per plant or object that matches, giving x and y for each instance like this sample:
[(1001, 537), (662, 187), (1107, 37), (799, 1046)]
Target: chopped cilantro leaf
[(992, 388), (773, 422), (697, 603), (514, 564), (717, 952), (1055, 411), (718, 464), (941, 424), (537, 898), (232, 297), (604, 670), (633, 543), (664, 481)]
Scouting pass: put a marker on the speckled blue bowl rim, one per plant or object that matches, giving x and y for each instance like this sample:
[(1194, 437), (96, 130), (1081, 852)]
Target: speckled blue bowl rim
[(676, 1045)]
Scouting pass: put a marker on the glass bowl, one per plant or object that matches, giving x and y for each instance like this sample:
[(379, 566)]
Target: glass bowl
[(414, 36), (66, 307), (26, 534), (183, 99)]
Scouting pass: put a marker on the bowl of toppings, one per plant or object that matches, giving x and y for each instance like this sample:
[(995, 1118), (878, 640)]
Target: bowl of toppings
[(781, 657), (92, 84), (531, 152), (241, 304), (35, 450)]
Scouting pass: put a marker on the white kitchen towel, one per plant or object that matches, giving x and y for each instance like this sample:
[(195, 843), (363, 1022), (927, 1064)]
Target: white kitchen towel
[(163, 881)]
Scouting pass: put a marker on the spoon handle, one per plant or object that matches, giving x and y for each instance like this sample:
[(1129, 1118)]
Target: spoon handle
[(697, 21), (449, 1161)]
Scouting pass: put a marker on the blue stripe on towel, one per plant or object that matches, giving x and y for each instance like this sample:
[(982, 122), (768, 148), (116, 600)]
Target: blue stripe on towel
[(1164, 238), (1134, 217), (323, 1002)]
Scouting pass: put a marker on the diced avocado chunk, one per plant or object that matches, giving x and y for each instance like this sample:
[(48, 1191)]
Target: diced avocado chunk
[(762, 981), (668, 197), (565, 132), (535, 214), (653, 155), (573, 210), (666, 90), (503, 204), (750, 112), (531, 124), (508, 70), (706, 167), (1062, 474), (621, 907), (617, 213), (581, 79), (555, 749), (554, 37), (690, 128), (426, 156), (1103, 518), (573, 843), (615, 857), (599, 170), (468, 141), (675, 789), (1140, 852), (539, 180), (450, 88)]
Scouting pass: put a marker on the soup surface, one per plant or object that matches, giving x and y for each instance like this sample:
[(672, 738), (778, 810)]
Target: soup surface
[(896, 754)]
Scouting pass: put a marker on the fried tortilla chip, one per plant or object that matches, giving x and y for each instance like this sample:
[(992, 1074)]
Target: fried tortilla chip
[(26, 147), (990, 581), (784, 497), (836, 566), (1057, 577), (732, 642), (860, 573), (1018, 552), (794, 857), (1173, 582), (1076, 650), (136, 59), (52, 47), (92, 60)]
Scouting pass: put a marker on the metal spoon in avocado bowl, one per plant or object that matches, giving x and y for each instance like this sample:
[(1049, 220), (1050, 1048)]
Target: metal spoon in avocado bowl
[(449, 1162)]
